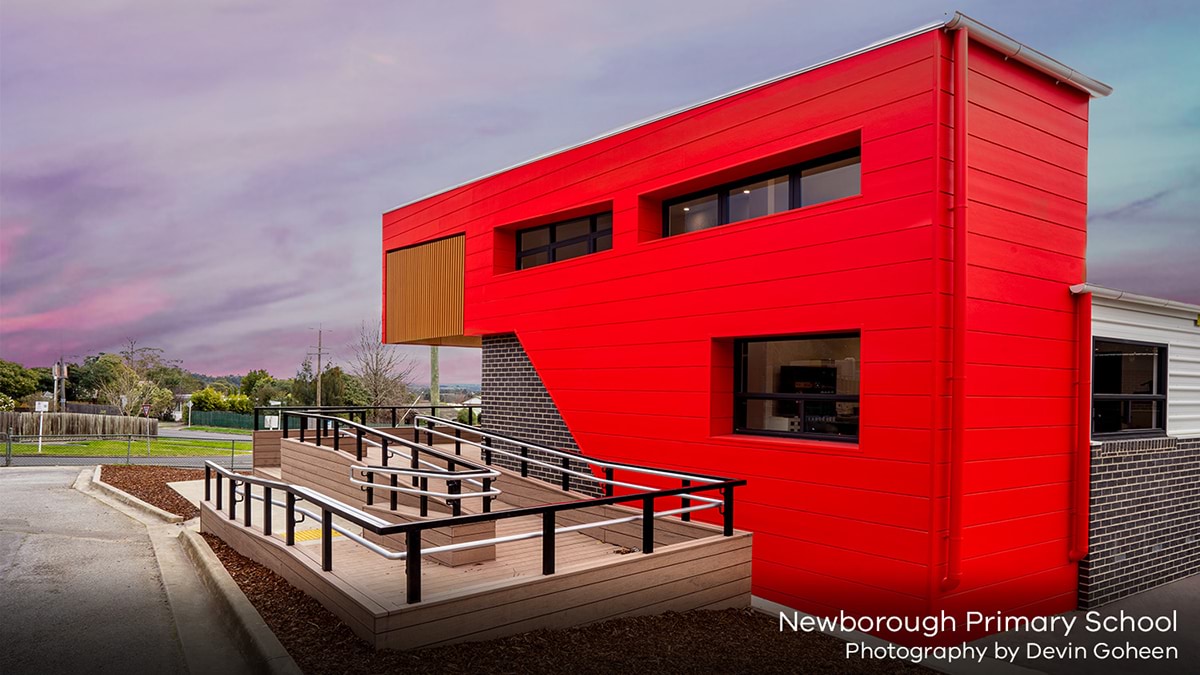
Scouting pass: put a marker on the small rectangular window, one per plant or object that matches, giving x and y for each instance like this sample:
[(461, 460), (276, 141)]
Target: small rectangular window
[(822, 180), (803, 386), (1129, 387), (563, 241)]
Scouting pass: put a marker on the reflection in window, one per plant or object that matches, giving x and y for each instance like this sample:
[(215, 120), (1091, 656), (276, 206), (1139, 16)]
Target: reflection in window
[(1129, 388), (822, 180), (800, 386)]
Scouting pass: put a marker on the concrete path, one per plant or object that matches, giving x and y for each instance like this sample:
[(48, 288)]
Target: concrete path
[(88, 588)]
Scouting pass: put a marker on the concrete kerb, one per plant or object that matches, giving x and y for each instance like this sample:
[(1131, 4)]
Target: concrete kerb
[(125, 497), (258, 639)]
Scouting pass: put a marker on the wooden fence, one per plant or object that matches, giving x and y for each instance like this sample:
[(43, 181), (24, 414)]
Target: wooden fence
[(71, 424)]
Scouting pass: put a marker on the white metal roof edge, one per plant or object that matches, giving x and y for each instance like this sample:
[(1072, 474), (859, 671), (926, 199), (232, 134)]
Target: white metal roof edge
[(991, 37), (1134, 298)]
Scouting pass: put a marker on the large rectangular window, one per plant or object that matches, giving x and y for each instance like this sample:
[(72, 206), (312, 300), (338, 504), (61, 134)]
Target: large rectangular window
[(825, 179), (803, 386), (1129, 387), (563, 241)]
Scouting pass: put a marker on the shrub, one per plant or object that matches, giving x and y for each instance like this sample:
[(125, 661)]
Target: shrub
[(209, 399), (239, 403)]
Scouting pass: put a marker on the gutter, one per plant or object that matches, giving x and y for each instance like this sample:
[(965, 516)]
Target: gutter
[(1081, 459), (1028, 55), (1113, 294)]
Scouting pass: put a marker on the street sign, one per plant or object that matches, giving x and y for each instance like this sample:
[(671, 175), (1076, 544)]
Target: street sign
[(189, 404), (275, 404), (41, 406), (146, 409)]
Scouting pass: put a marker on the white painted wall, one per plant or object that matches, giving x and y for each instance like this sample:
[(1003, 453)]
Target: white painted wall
[(1177, 329)]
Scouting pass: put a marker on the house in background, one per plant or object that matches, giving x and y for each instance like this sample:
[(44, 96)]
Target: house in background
[(848, 285)]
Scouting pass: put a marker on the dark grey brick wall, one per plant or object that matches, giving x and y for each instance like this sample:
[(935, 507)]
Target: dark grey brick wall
[(1145, 518), (516, 404)]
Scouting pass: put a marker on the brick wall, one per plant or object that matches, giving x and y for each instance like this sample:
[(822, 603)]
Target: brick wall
[(1145, 518), (516, 404)]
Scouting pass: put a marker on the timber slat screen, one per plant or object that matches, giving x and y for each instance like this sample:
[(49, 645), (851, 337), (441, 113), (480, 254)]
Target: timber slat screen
[(425, 294)]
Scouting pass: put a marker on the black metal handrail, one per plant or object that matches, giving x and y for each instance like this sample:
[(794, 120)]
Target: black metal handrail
[(452, 474), (565, 458), (412, 530), (398, 414)]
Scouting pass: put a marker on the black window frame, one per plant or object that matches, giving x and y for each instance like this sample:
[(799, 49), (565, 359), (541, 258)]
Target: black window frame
[(741, 397), (793, 174), (554, 244), (1160, 377)]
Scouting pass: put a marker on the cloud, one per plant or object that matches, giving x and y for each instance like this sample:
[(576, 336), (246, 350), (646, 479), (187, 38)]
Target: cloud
[(209, 177)]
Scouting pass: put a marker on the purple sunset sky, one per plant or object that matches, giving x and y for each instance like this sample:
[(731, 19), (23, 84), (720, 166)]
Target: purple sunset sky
[(208, 177)]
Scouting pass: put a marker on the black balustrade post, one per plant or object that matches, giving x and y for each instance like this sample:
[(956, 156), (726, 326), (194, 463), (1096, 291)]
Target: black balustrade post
[(685, 502), (393, 418), (232, 499), (248, 502), (326, 540), (256, 419), (320, 430), (412, 565), (487, 501), (290, 532), (395, 494), (267, 508), (207, 482), (454, 487), (486, 441), (548, 542), (424, 497), (728, 510), (416, 432), (282, 424), (457, 441), (370, 488), (219, 481), (383, 447), (608, 476), (524, 464), (647, 525), (303, 426), (415, 463), (337, 434), (566, 477), (358, 439)]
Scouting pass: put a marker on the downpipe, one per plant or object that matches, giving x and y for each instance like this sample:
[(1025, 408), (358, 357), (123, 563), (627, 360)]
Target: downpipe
[(959, 310), (1082, 466)]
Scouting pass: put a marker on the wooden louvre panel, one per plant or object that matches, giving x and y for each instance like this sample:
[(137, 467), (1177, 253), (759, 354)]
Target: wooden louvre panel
[(425, 294)]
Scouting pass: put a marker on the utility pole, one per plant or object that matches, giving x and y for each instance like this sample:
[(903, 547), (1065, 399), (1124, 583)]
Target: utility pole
[(435, 394), (319, 353)]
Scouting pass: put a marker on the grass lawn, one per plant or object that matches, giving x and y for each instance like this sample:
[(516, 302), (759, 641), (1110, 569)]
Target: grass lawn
[(119, 447), (219, 430)]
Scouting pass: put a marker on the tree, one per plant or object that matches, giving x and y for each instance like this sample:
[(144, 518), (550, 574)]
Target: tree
[(16, 380), (251, 380), (239, 403), (7, 403), (304, 387), (209, 399), (381, 370), (272, 389), (92, 375), (127, 390)]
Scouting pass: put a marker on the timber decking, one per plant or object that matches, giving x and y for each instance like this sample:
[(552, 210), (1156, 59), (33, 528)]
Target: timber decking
[(594, 581), (599, 572)]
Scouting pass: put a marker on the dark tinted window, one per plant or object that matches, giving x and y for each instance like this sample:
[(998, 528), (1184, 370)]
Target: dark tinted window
[(1129, 389), (821, 180), (800, 386), (563, 241)]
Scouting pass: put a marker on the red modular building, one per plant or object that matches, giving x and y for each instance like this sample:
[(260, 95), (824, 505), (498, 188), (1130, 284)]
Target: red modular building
[(847, 285)]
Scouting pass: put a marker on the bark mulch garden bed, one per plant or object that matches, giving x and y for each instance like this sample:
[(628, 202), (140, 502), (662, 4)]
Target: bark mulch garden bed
[(149, 484), (727, 641)]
